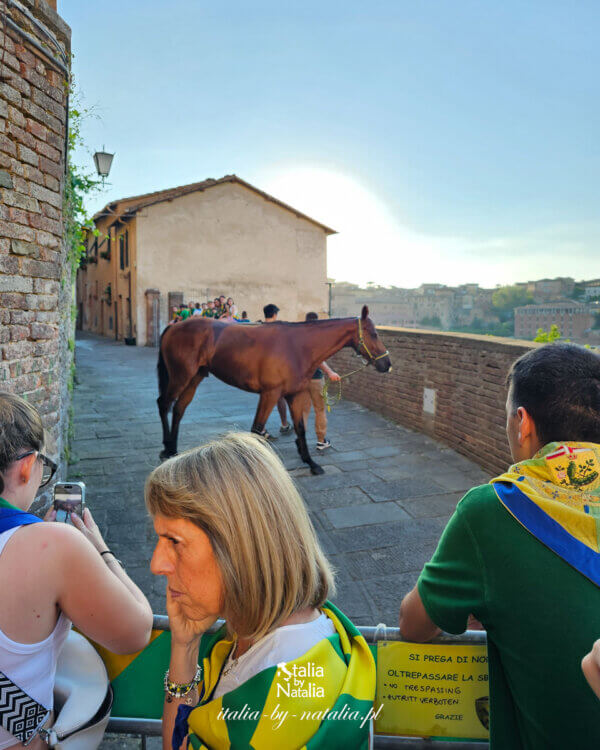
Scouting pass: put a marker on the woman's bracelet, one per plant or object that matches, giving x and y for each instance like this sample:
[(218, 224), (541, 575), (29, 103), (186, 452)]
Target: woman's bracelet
[(180, 690), (110, 552)]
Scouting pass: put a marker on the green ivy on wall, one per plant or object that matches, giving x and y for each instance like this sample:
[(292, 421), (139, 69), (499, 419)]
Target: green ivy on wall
[(79, 184)]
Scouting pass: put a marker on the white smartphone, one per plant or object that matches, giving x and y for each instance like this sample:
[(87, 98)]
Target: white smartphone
[(69, 497)]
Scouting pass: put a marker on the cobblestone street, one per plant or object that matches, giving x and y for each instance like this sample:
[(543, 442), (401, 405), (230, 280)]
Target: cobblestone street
[(378, 509)]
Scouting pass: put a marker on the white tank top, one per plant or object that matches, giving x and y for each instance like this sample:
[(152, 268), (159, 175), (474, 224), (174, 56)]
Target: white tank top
[(31, 666)]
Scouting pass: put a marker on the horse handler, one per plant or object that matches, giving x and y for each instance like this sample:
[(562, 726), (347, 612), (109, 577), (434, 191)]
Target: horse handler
[(316, 397), (270, 312)]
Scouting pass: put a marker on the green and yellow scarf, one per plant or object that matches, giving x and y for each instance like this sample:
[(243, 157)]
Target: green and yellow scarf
[(556, 496), (321, 701)]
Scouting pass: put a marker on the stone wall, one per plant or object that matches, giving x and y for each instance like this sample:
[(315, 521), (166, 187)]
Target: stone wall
[(448, 385), (35, 277)]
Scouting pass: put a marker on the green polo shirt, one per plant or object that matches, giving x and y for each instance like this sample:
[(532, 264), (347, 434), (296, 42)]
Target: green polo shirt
[(541, 617), (185, 313)]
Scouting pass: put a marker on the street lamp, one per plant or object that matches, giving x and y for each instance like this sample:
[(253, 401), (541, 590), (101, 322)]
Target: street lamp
[(103, 163)]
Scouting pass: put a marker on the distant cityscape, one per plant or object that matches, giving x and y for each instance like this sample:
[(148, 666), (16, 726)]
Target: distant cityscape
[(517, 311)]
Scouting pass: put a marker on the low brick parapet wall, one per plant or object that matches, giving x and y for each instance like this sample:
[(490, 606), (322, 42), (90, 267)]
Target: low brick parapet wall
[(450, 386)]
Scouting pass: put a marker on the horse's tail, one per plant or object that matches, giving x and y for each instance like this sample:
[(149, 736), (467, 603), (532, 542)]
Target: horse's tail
[(161, 368)]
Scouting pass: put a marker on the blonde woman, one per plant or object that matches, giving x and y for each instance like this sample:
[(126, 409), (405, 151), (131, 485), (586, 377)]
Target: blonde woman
[(235, 541), (52, 574)]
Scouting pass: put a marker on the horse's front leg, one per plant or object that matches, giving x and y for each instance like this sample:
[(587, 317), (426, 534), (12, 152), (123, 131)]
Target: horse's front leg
[(298, 403), (178, 410), (266, 403), (163, 410)]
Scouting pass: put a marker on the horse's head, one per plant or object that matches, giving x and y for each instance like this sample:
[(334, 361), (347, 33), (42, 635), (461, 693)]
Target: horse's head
[(367, 343)]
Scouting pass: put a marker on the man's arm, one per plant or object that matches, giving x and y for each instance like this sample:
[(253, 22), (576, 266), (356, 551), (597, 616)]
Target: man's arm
[(591, 668), (451, 585), (331, 374), (415, 623)]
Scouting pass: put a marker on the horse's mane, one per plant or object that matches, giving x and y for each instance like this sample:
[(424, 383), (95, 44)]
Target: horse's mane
[(321, 322)]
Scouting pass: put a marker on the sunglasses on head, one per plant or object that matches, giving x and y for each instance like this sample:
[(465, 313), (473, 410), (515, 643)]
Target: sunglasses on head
[(49, 469)]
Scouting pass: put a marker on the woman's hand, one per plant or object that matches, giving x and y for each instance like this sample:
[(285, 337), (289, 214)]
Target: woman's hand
[(89, 529), (50, 514), (474, 624), (185, 631)]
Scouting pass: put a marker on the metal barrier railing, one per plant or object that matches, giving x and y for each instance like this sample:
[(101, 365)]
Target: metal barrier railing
[(153, 727)]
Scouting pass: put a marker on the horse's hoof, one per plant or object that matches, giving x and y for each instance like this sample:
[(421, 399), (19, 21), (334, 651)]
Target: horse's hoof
[(316, 470), (264, 435)]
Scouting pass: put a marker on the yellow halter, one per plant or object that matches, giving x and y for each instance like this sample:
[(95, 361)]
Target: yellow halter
[(331, 401), (361, 342)]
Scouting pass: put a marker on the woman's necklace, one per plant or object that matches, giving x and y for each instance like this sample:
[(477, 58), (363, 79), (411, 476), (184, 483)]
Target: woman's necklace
[(232, 662)]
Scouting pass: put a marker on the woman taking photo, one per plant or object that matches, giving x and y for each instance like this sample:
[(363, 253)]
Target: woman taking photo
[(51, 574), (287, 668)]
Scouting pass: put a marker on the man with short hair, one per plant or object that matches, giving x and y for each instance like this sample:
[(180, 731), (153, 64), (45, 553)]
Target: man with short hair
[(315, 390), (521, 554), (270, 312)]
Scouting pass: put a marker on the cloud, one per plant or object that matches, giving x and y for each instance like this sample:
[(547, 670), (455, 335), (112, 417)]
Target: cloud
[(372, 245)]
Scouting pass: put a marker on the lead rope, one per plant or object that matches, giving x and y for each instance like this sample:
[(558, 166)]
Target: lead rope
[(331, 401)]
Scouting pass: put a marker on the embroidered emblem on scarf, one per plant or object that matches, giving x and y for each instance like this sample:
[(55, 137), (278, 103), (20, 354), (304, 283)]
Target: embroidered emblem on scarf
[(556, 496)]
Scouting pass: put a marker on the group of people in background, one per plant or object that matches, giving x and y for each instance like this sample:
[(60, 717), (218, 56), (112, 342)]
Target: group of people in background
[(220, 308)]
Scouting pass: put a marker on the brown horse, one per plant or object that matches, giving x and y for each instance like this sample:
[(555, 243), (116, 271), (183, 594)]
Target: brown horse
[(274, 360)]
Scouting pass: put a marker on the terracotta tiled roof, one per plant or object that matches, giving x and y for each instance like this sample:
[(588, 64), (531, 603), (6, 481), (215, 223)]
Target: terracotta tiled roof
[(126, 207)]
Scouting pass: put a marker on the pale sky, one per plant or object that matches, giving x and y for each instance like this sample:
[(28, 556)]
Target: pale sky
[(446, 142)]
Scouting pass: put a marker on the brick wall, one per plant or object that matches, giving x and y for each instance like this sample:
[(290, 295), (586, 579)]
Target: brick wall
[(467, 374), (35, 280)]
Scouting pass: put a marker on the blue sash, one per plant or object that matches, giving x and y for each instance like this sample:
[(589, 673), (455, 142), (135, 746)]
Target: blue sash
[(10, 517)]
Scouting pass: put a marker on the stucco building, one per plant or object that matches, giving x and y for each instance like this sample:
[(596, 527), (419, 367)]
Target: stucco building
[(546, 290), (591, 289), (429, 305), (193, 243), (574, 320)]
